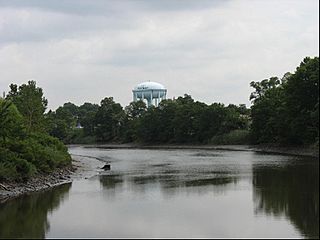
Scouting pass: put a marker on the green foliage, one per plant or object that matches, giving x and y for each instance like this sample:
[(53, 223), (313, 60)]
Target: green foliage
[(287, 111), (86, 116), (302, 102), (36, 152), (133, 112), (12, 167), (10, 119), (30, 102), (64, 122), (186, 121), (108, 120), (266, 113), (25, 148), (232, 138), (174, 121)]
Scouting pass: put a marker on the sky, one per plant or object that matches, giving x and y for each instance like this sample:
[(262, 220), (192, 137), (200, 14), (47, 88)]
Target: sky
[(86, 50)]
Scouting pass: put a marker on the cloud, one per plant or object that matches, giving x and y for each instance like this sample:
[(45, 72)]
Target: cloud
[(103, 7), (86, 50)]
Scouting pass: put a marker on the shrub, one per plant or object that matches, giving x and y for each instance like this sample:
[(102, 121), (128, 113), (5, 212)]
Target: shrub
[(39, 152), (14, 168)]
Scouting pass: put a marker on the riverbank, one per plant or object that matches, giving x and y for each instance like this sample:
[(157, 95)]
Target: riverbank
[(298, 151), (81, 168)]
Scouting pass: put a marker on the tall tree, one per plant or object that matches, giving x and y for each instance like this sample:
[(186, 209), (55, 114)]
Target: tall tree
[(86, 114), (10, 119), (108, 120), (31, 104), (302, 102)]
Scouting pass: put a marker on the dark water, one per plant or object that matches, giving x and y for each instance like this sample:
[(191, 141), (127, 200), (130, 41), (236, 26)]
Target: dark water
[(176, 193)]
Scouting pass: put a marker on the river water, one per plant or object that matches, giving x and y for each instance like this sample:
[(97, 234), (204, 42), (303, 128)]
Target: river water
[(175, 193)]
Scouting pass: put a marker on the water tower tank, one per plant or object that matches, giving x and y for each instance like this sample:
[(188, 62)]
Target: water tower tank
[(152, 92)]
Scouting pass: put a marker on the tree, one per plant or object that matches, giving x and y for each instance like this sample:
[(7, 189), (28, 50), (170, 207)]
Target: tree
[(302, 102), (108, 120), (86, 115), (286, 111), (61, 123), (133, 112), (135, 109), (267, 117), (10, 119), (31, 103), (261, 88), (24, 152)]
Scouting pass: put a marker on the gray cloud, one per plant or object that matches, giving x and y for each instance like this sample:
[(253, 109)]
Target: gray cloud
[(104, 7), (86, 50)]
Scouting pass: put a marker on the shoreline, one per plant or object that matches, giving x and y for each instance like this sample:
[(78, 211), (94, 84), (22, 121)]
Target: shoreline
[(39, 182), (296, 151), (80, 168)]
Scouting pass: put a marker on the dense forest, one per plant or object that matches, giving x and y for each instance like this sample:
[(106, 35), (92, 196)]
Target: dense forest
[(284, 111)]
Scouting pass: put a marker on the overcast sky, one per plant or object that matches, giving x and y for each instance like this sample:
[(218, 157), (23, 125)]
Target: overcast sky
[(84, 50)]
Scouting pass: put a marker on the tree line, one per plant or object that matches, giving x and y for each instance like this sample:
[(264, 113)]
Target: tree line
[(182, 120)]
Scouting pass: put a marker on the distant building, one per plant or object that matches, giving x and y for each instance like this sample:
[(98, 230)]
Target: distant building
[(79, 125), (151, 92)]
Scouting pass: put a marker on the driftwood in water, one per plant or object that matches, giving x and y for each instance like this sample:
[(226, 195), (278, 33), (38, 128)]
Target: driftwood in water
[(106, 167)]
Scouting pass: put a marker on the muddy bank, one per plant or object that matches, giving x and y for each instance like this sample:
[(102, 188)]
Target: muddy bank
[(82, 167), (299, 151)]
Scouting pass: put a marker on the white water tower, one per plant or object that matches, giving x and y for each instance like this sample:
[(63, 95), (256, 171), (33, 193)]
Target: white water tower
[(152, 92)]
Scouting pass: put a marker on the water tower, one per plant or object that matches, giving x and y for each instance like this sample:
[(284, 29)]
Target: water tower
[(153, 92)]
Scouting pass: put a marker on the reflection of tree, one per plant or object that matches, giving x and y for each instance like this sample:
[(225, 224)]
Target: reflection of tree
[(217, 181), (169, 181), (111, 181), (292, 191), (26, 216)]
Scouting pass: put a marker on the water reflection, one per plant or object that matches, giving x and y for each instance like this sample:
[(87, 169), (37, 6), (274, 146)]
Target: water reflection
[(176, 194), (27, 216), (111, 181), (291, 190), (169, 180)]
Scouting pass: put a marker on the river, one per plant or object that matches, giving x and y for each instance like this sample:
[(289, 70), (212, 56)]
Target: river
[(175, 193)]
